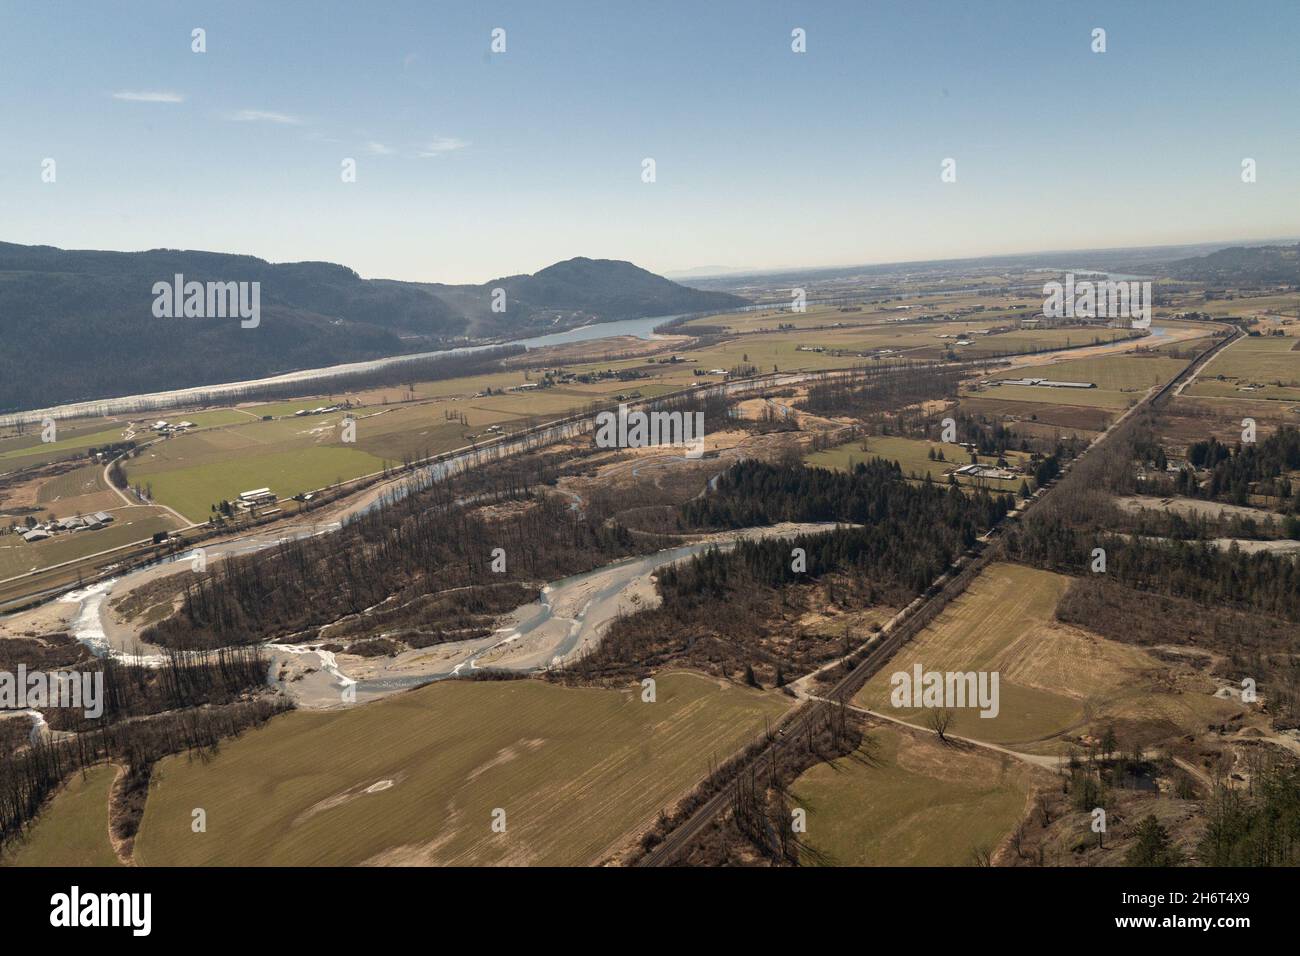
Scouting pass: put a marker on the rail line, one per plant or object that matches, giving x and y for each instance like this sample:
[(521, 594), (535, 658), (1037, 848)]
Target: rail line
[(936, 598)]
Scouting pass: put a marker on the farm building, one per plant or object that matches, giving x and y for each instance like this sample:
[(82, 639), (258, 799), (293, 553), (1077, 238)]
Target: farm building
[(1041, 383), (984, 471), (256, 498)]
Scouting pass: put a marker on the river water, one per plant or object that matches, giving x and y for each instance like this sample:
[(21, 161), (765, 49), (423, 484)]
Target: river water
[(152, 401)]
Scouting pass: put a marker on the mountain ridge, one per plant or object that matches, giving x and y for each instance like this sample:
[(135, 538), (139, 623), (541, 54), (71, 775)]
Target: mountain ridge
[(97, 335)]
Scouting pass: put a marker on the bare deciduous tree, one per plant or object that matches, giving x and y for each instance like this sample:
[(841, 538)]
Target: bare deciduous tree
[(939, 721)]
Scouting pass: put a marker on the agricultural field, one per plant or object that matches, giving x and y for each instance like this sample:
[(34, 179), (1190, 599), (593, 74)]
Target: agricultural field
[(1053, 677), (1109, 373), (888, 310), (912, 455), (73, 829), (816, 316), (906, 799), (211, 418), (235, 449), (1056, 419), (24, 451), (194, 489), (414, 779), (191, 472), (1243, 305), (80, 491), (131, 524), (1120, 380), (912, 340), (1020, 341), (1196, 417), (1264, 368)]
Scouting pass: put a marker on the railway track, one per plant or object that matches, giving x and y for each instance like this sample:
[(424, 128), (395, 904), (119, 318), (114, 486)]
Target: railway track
[(937, 597)]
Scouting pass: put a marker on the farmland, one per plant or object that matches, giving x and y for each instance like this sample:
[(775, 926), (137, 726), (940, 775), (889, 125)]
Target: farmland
[(905, 799), (130, 524), (193, 490), (25, 451), (73, 830), (1052, 418), (415, 778), (291, 454), (76, 492), (1055, 680), (256, 445), (1121, 380), (1259, 368), (912, 456)]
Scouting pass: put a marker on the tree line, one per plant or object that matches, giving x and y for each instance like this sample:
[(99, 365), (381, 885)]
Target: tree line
[(882, 387)]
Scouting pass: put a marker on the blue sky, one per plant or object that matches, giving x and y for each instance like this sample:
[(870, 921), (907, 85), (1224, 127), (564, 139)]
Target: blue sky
[(472, 165)]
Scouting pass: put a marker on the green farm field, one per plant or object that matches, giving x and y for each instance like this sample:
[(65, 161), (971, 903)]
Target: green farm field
[(291, 454), (1020, 341), (905, 799), (912, 456), (414, 779), (130, 525), (73, 829), (212, 418), (194, 489), (1121, 380), (24, 451), (1262, 368)]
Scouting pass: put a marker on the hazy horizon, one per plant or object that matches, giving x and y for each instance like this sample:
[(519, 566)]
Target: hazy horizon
[(701, 272)]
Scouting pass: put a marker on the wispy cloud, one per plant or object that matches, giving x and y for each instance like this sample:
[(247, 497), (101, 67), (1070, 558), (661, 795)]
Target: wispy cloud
[(379, 149), (264, 116), (148, 96), (441, 145)]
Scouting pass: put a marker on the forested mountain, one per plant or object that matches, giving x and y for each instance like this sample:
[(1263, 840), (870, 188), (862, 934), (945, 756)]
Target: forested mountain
[(78, 325), (1240, 266)]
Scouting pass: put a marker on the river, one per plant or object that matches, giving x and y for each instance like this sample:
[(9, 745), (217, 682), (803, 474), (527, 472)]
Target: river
[(154, 401)]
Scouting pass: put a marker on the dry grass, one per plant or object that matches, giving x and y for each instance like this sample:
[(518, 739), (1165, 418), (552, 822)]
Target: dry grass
[(576, 771), (1058, 683)]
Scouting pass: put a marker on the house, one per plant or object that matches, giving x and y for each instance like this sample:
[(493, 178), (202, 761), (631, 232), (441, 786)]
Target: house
[(103, 517), (36, 534)]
